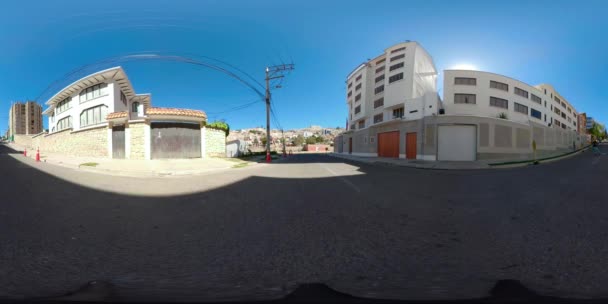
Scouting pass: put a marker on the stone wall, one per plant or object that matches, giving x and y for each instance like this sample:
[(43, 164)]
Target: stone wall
[(137, 143), (215, 142), (90, 142)]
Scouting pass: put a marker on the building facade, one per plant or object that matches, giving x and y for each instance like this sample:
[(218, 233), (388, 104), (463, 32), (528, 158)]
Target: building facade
[(101, 115), (380, 90), (25, 118), (582, 123), (395, 112), (486, 94)]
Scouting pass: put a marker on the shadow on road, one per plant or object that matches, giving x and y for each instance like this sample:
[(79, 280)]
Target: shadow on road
[(387, 232)]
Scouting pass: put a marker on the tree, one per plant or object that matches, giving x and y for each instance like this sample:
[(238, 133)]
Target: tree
[(298, 141), (320, 139), (264, 141), (221, 125), (311, 140), (597, 131), (256, 142)]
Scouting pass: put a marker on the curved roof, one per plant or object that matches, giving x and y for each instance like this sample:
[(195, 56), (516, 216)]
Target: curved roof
[(116, 73)]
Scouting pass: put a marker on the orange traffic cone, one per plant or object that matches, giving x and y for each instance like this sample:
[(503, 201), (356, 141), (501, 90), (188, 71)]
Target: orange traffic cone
[(38, 154), (24, 151)]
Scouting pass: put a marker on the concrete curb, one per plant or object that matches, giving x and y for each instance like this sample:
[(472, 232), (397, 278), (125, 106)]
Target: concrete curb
[(429, 166), (522, 163)]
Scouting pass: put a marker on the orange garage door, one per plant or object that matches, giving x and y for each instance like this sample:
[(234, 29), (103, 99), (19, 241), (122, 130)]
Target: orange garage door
[(388, 144)]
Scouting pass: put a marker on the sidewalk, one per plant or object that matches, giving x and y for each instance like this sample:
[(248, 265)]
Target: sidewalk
[(139, 168), (417, 163)]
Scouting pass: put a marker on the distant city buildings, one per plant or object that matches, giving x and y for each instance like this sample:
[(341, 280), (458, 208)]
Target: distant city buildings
[(25, 118)]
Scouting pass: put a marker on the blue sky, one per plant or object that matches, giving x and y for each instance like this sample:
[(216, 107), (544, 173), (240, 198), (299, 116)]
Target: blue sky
[(558, 42)]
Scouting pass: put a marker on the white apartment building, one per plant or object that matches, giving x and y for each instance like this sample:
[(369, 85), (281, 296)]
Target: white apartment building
[(487, 94), (394, 111), (400, 83)]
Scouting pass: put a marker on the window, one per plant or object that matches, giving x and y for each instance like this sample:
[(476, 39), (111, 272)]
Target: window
[(350, 93), (352, 127), (358, 78), (395, 78), (380, 69), (545, 117), (557, 99), (123, 98), (465, 81), (563, 105), (557, 111), (413, 111), (378, 118), (358, 87), (536, 99), (520, 108), (557, 123), (563, 114), (380, 61), (521, 92), (93, 92), (64, 123), (465, 98), (371, 139), (93, 116), (545, 91), (499, 85), (134, 106), (361, 124), (358, 97), (569, 110), (536, 114), (350, 85), (398, 113), (396, 66), (378, 102), (545, 103), (379, 89), (63, 105), (397, 57), (379, 78), (499, 102), (358, 109), (398, 50)]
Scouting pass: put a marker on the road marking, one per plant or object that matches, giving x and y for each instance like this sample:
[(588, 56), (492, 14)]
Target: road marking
[(346, 181)]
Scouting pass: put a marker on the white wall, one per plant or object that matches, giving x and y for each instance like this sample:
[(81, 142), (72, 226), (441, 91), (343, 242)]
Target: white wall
[(76, 107), (418, 72), (483, 93)]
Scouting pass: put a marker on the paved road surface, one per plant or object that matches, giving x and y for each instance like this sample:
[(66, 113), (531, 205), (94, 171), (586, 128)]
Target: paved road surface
[(376, 231)]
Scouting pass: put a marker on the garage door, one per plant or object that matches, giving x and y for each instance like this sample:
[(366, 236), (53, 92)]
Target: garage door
[(388, 144), (175, 140), (457, 143)]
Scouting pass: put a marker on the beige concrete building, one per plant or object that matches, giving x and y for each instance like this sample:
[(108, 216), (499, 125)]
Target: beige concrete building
[(25, 118)]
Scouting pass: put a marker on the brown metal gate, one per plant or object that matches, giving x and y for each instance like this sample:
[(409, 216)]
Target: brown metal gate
[(388, 144), (175, 140), (118, 142)]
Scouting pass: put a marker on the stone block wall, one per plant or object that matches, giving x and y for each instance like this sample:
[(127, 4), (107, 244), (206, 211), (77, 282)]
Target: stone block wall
[(90, 142), (137, 143), (215, 142)]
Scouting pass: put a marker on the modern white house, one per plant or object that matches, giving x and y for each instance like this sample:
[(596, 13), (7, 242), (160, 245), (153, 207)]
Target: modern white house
[(101, 115), (394, 111)]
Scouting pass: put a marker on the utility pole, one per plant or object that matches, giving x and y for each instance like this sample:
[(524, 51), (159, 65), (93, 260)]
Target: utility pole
[(272, 72)]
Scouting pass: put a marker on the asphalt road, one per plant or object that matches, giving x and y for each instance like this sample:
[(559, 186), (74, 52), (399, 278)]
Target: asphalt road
[(367, 230)]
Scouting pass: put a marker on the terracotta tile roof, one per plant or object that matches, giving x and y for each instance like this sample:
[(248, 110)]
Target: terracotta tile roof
[(117, 115), (175, 111)]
